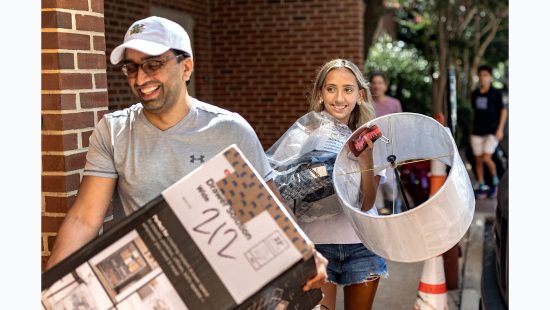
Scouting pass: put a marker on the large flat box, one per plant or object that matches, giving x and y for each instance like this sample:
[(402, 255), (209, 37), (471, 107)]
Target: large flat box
[(216, 239)]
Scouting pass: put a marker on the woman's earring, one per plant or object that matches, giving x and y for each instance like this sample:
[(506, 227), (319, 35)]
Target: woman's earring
[(359, 102)]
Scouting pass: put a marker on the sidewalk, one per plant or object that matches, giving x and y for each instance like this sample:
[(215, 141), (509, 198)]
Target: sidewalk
[(399, 290)]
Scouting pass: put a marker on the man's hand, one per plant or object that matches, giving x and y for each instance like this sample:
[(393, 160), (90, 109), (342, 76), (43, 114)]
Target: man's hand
[(321, 262)]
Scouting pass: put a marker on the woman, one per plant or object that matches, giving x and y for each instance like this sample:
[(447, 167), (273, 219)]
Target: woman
[(340, 100)]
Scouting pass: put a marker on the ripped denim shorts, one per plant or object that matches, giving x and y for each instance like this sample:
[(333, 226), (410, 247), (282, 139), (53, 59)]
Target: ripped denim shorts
[(352, 263)]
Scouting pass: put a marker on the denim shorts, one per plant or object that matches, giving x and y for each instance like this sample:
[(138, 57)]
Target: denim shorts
[(351, 263)]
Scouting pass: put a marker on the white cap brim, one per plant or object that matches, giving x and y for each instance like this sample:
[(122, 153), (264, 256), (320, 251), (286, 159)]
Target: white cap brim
[(147, 47)]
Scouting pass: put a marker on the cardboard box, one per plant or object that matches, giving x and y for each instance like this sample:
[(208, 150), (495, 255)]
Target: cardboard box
[(216, 239)]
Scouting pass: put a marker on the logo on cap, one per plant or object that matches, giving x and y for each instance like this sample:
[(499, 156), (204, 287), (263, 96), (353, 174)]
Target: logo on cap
[(137, 28)]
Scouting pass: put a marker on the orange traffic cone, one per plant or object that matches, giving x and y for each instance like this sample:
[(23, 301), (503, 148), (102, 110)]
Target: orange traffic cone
[(438, 170), (438, 176), (432, 290)]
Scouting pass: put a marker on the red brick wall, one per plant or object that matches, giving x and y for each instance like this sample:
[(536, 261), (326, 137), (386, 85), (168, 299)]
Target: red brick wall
[(74, 98), (267, 52)]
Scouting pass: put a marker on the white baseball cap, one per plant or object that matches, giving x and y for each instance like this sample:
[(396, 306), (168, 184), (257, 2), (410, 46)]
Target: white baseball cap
[(153, 36)]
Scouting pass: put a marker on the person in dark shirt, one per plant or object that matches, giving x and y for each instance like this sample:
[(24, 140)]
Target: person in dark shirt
[(490, 113)]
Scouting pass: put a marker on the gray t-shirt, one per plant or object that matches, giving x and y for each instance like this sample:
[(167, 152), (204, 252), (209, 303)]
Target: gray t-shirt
[(147, 160)]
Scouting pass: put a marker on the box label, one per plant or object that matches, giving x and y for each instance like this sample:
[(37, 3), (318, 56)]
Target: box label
[(257, 248)]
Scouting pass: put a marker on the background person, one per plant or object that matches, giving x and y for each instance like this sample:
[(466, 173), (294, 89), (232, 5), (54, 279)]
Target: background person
[(490, 113)]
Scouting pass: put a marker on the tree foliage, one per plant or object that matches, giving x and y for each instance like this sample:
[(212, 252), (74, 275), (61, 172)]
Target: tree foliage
[(407, 71), (434, 36), (374, 10), (453, 33)]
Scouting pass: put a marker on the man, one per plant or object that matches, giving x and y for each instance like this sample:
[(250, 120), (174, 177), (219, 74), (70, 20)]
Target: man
[(383, 105), (142, 150), (490, 113)]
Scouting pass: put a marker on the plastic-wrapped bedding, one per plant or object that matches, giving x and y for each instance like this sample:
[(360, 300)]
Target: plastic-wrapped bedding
[(303, 160), (428, 229)]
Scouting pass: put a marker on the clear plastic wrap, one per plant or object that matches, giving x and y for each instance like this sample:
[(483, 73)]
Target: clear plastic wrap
[(303, 160)]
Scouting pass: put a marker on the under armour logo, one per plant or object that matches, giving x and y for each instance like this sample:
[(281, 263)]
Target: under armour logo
[(193, 158)]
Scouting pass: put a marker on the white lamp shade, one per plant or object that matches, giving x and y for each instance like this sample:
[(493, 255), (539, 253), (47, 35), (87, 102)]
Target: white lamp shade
[(428, 229)]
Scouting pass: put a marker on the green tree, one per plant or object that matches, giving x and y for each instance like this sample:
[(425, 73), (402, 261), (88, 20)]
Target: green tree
[(374, 10), (453, 33)]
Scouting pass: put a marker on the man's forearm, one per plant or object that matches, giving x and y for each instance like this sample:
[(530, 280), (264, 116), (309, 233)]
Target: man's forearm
[(67, 243), (84, 218)]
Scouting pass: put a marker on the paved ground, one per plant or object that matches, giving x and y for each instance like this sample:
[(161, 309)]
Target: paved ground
[(398, 291)]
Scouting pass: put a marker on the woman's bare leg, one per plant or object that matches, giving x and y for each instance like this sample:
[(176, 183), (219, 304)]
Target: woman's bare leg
[(329, 296), (360, 296)]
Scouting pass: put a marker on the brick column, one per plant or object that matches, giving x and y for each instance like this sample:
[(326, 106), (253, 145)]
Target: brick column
[(74, 98)]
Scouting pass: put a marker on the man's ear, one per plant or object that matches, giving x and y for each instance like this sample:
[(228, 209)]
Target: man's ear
[(188, 65)]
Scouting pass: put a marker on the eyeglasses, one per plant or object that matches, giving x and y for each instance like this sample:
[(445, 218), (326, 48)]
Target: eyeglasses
[(150, 66)]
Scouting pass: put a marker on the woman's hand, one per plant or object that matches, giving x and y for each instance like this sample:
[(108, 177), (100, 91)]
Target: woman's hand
[(365, 158)]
